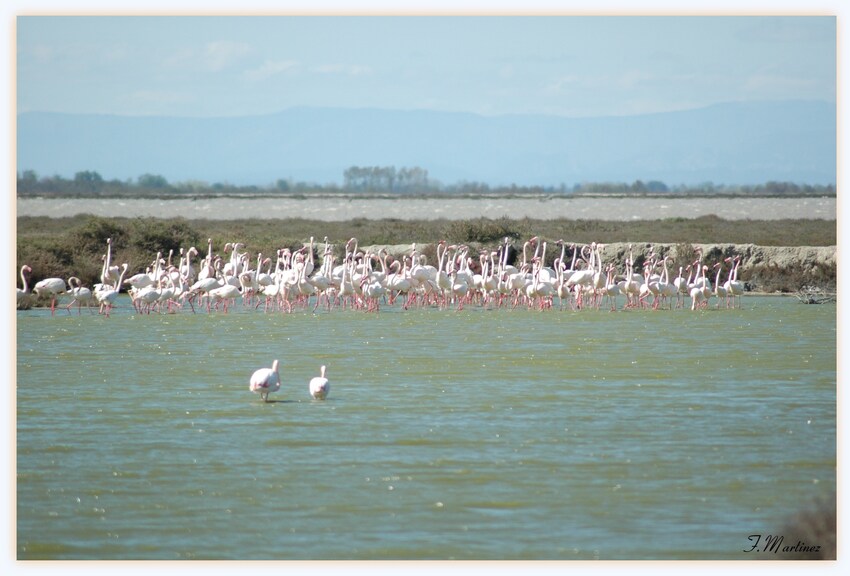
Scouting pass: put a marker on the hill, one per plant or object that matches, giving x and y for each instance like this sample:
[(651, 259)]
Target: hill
[(732, 143)]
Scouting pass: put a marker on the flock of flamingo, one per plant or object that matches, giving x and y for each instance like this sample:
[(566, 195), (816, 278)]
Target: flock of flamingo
[(364, 280)]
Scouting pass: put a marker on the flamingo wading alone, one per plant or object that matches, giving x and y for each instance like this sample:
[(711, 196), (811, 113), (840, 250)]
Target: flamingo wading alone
[(319, 386), (265, 381)]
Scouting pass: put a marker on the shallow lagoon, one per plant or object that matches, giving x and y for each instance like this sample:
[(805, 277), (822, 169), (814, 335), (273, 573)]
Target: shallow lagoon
[(483, 434)]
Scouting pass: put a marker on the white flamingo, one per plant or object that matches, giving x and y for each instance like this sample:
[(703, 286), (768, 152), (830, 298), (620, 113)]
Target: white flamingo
[(109, 274), (612, 288), (51, 287), (697, 289), (734, 287), (23, 292), (107, 295), (681, 285), (665, 287), (319, 386), (372, 291), (225, 294), (265, 381), (81, 295), (187, 270), (720, 290)]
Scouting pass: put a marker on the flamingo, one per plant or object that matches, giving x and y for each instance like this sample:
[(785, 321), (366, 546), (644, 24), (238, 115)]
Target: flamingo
[(109, 273), (398, 282), (372, 291), (141, 280), (81, 294), (51, 286), (265, 381), (665, 287), (697, 289), (23, 292), (459, 288), (734, 287), (612, 288), (203, 287), (187, 270), (107, 296), (147, 296), (225, 294), (207, 270), (650, 285), (681, 285), (630, 286), (319, 386), (720, 290)]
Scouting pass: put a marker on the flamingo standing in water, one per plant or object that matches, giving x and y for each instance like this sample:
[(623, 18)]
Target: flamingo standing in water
[(698, 288), (265, 380), (734, 287), (681, 285), (81, 294), (720, 290), (109, 274), (612, 288), (107, 294), (51, 286), (319, 386)]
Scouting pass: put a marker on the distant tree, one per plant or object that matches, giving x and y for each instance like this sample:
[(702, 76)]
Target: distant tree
[(152, 181), (656, 186), (282, 185), (352, 178), (192, 185), (88, 177), (87, 181), (27, 181)]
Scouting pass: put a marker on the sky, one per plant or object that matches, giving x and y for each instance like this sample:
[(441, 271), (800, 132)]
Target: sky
[(567, 65)]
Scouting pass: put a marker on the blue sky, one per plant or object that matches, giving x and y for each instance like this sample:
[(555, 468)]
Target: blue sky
[(490, 65)]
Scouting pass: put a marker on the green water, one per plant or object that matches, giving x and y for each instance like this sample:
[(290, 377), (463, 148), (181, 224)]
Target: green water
[(501, 434)]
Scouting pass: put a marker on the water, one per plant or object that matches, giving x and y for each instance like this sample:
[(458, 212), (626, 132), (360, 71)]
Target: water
[(340, 207), (500, 434)]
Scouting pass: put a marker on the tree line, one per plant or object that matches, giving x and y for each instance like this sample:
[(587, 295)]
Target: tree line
[(383, 180)]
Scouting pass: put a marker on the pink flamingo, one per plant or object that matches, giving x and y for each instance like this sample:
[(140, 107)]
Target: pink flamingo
[(265, 380)]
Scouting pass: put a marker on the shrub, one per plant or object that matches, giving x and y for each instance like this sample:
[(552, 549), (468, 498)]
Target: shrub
[(482, 230), (92, 235), (153, 235)]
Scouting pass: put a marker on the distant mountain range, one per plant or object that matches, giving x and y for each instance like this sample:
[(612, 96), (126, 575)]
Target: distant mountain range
[(733, 144)]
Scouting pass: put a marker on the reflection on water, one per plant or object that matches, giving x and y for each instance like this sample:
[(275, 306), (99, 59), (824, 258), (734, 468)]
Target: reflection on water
[(502, 434)]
